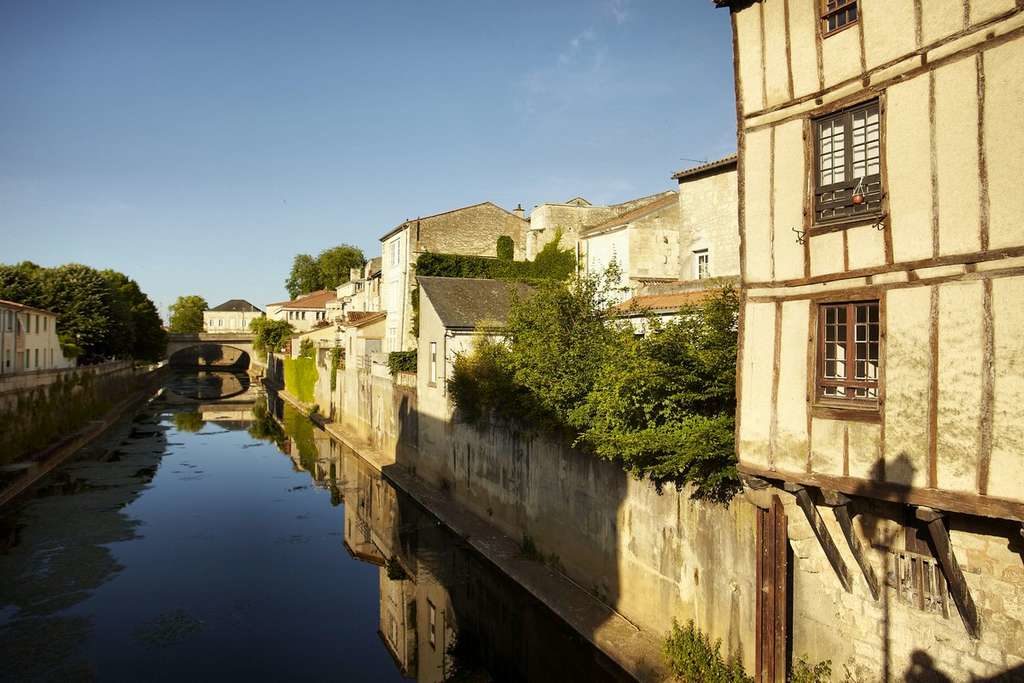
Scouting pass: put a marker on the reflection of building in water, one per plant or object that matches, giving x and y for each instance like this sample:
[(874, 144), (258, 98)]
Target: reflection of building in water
[(443, 608), (229, 417)]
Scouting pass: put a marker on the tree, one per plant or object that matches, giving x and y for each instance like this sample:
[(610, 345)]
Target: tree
[(149, 340), (88, 313), (187, 314), (22, 283), (335, 263), (506, 248), (304, 277), (270, 334)]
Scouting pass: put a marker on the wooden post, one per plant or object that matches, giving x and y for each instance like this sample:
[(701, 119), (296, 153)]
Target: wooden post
[(951, 569), (803, 499), (840, 505)]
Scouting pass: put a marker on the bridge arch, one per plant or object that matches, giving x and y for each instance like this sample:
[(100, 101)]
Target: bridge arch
[(210, 351)]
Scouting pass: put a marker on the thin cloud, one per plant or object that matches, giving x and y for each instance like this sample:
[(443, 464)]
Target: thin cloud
[(619, 10)]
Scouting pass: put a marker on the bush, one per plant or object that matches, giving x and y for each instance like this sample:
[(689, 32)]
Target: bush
[(693, 658), (506, 248), (551, 263), (805, 673), (306, 349), (483, 385), (401, 361), (270, 334), (300, 377)]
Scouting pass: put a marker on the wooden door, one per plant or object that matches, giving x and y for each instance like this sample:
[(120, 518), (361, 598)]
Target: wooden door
[(772, 594)]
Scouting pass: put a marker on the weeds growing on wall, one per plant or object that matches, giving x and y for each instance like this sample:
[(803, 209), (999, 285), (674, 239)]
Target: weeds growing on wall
[(693, 658), (300, 377), (46, 414), (401, 361), (336, 363), (663, 405)]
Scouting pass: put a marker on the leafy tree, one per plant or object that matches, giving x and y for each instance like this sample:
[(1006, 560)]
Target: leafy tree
[(22, 283), (149, 340), (187, 314), (506, 248), (270, 334), (664, 405), (483, 386), (304, 277), (88, 312), (307, 349), (335, 263)]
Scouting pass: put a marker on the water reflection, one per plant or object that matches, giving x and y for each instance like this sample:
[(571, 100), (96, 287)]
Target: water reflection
[(207, 386), (445, 613)]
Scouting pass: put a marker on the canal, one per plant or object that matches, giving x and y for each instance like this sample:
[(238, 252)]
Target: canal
[(219, 535)]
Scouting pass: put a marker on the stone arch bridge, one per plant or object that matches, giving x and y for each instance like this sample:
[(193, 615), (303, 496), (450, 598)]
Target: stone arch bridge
[(226, 351)]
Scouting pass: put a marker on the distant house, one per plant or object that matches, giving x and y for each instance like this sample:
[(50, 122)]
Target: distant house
[(453, 313), (709, 235), (233, 315), (360, 293), (642, 243), (471, 230), (304, 312), (28, 340)]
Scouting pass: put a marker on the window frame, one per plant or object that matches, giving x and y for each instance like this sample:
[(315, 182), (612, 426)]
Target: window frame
[(697, 254), (433, 363), (831, 407), (815, 188), (825, 13)]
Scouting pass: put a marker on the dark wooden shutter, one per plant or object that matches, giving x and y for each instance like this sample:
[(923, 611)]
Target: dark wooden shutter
[(772, 594)]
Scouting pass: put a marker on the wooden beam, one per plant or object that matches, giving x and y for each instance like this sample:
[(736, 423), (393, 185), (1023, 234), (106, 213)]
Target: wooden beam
[(951, 501), (842, 513), (951, 569), (803, 499)]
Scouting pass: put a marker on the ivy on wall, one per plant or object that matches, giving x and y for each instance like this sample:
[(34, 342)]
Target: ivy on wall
[(401, 361), (300, 377)]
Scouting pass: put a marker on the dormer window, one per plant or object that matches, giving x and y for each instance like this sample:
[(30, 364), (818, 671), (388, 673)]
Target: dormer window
[(837, 15)]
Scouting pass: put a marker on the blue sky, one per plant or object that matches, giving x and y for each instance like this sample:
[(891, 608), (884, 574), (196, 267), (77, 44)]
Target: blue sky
[(198, 145)]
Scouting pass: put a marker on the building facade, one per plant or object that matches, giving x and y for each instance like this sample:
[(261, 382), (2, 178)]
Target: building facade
[(28, 340), (471, 231), (881, 364), (709, 232), (303, 312), (232, 316)]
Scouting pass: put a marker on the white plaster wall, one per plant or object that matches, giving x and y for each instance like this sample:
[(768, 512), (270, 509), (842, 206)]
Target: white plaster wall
[(709, 219)]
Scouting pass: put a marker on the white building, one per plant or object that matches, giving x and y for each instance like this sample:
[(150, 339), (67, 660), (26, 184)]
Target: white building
[(232, 316), (28, 340), (304, 312)]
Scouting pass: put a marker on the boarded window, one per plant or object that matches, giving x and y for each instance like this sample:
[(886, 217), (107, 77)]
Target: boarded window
[(848, 170), (837, 15), (849, 350)]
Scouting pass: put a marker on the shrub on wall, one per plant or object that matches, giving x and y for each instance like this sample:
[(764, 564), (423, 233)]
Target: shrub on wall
[(402, 361), (300, 377), (337, 362), (551, 263), (692, 657)]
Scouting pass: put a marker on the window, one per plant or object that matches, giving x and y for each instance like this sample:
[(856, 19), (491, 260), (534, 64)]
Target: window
[(46, 324), (433, 362), (849, 352), (37, 350), (702, 264), (432, 623), (396, 251), (37, 323), (837, 15), (848, 178)]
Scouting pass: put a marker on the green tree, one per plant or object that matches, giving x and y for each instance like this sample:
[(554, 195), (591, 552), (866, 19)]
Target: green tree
[(304, 276), (187, 314), (88, 313), (335, 263), (664, 405), (22, 283), (149, 340), (270, 334)]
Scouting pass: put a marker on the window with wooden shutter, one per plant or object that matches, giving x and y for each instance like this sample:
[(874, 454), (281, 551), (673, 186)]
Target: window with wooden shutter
[(848, 168), (837, 15)]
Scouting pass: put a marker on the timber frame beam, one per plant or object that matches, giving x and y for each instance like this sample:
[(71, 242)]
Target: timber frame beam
[(840, 505), (803, 499), (958, 588)]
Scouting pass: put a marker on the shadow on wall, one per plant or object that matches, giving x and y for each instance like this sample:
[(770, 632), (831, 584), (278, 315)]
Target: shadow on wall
[(893, 525), (210, 355)]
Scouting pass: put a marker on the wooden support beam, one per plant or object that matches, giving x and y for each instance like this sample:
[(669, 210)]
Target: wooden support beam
[(951, 569), (842, 513), (803, 499)]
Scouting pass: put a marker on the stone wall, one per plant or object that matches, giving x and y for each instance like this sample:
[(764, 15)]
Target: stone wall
[(709, 220)]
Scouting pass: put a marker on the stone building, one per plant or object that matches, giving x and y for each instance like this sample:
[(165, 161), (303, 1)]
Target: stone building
[(232, 316), (471, 230), (28, 340), (881, 362), (709, 232), (571, 218), (642, 243)]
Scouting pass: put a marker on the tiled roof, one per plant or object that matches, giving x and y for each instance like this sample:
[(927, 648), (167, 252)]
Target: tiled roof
[(361, 318), (22, 307), (622, 219), (236, 306), (318, 299), (661, 303), (465, 302), (724, 162)]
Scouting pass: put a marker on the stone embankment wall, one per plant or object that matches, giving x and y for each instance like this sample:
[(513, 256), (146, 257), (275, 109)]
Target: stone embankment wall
[(12, 386)]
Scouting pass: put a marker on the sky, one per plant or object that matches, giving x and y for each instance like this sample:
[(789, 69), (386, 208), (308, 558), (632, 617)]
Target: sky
[(198, 145)]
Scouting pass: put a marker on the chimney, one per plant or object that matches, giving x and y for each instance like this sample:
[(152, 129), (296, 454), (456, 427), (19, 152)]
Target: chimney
[(519, 211)]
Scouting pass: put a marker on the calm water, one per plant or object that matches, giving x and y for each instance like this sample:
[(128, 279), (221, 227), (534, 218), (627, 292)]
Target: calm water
[(206, 540)]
